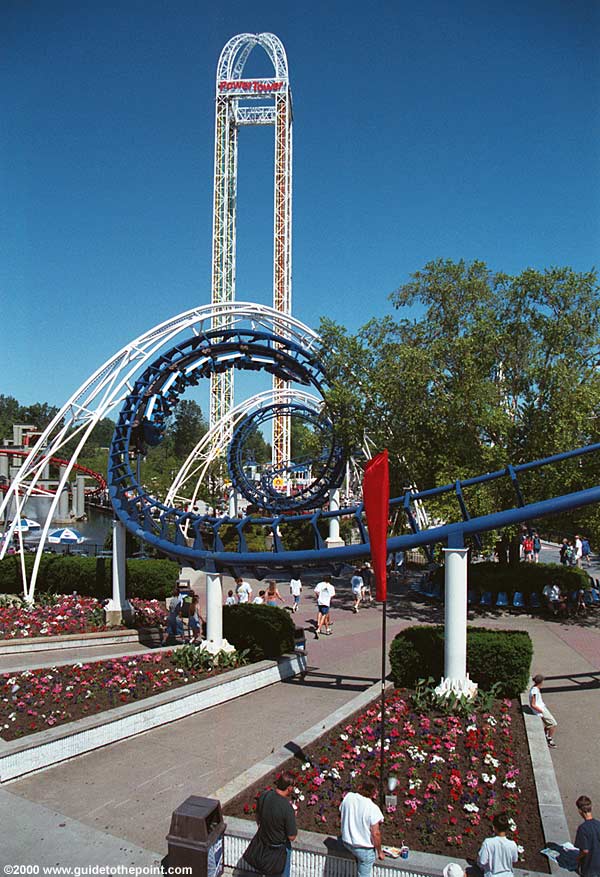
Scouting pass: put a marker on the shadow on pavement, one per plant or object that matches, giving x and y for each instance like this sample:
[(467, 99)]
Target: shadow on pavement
[(339, 681), (579, 682)]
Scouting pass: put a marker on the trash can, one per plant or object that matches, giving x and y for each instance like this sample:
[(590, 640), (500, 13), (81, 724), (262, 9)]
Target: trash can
[(196, 837), (299, 641)]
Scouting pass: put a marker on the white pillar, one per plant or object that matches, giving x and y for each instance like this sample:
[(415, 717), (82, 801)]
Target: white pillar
[(455, 624), (232, 510), (118, 606), (334, 540), (214, 609)]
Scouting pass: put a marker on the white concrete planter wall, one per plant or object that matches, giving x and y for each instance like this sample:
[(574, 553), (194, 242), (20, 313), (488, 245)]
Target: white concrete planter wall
[(49, 747), (68, 641)]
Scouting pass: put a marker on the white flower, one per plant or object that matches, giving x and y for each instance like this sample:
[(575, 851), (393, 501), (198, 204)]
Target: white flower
[(489, 759), (435, 759), (512, 824), (492, 721), (343, 736), (471, 727), (509, 784), (471, 808), (306, 765), (488, 778)]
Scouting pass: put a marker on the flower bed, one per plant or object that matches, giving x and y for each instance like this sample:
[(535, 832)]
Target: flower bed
[(34, 700), (70, 614), (64, 615), (454, 774)]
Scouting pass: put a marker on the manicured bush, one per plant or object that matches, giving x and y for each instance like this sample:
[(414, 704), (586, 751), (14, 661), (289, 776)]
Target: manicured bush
[(493, 656), (266, 631), (502, 656), (522, 577), (89, 576)]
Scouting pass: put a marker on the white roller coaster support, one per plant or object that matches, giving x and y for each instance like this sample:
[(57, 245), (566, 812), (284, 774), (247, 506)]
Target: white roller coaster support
[(214, 610), (107, 389)]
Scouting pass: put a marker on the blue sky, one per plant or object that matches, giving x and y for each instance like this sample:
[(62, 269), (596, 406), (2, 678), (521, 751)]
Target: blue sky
[(437, 129)]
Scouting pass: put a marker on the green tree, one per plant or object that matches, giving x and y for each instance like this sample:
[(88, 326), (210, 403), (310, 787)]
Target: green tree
[(187, 428), (493, 370)]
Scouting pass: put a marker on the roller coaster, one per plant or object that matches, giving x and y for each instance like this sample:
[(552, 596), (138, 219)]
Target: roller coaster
[(99, 488), (146, 379)]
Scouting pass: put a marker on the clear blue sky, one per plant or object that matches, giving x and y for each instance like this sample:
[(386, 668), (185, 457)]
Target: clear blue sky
[(422, 130)]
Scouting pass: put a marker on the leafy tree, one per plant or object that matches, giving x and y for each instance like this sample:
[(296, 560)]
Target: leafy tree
[(494, 369), (187, 428)]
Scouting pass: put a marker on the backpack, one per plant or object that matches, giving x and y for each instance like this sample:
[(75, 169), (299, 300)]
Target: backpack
[(186, 606)]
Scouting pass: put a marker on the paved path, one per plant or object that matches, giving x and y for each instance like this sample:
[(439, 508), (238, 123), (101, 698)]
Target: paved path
[(129, 789)]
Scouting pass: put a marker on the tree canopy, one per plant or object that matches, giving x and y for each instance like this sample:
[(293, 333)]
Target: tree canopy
[(479, 370)]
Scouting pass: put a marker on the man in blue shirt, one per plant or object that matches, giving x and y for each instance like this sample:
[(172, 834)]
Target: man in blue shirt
[(587, 839)]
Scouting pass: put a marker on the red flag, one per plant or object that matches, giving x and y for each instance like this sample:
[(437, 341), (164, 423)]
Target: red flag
[(376, 497)]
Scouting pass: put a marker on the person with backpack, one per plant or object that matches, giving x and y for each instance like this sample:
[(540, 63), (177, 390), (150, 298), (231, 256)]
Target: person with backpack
[(537, 547)]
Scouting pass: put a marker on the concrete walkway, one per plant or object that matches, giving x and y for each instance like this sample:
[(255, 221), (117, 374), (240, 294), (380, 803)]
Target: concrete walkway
[(126, 792)]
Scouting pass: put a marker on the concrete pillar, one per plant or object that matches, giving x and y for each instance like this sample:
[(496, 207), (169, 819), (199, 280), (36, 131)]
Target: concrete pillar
[(4, 466), (455, 624), (214, 609), (334, 540), (79, 502), (63, 506), (118, 608)]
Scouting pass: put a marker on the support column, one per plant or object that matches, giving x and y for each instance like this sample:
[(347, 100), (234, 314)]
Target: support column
[(214, 609), (79, 502), (334, 539), (455, 677), (214, 641), (232, 509), (118, 608)]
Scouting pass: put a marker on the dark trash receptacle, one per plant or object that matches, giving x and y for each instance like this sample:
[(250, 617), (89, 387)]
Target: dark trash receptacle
[(196, 837), (299, 641)]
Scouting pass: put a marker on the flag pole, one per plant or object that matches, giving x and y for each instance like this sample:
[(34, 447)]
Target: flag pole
[(381, 753), (376, 495)]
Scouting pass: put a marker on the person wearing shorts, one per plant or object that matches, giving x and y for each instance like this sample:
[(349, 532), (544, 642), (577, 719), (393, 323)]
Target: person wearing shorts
[(538, 706), (324, 591), (295, 590)]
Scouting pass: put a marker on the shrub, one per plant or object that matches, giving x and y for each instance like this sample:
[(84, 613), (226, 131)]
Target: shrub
[(265, 631), (493, 656), (89, 576), (522, 577), (502, 656)]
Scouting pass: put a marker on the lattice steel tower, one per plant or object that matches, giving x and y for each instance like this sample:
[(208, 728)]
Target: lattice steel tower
[(241, 102)]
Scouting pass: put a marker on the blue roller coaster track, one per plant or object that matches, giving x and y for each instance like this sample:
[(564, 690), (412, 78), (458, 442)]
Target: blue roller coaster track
[(221, 543)]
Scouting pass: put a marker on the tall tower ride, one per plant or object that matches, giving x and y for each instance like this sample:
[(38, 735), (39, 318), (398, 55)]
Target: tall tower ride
[(239, 102)]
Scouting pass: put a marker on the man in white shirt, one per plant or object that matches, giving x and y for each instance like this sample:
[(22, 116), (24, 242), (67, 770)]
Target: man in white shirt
[(243, 590), (295, 590), (538, 706), (498, 854), (358, 589), (324, 591), (361, 819)]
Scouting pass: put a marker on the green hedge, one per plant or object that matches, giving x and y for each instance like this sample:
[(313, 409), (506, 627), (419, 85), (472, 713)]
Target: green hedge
[(522, 577), (89, 576), (502, 656), (267, 631)]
